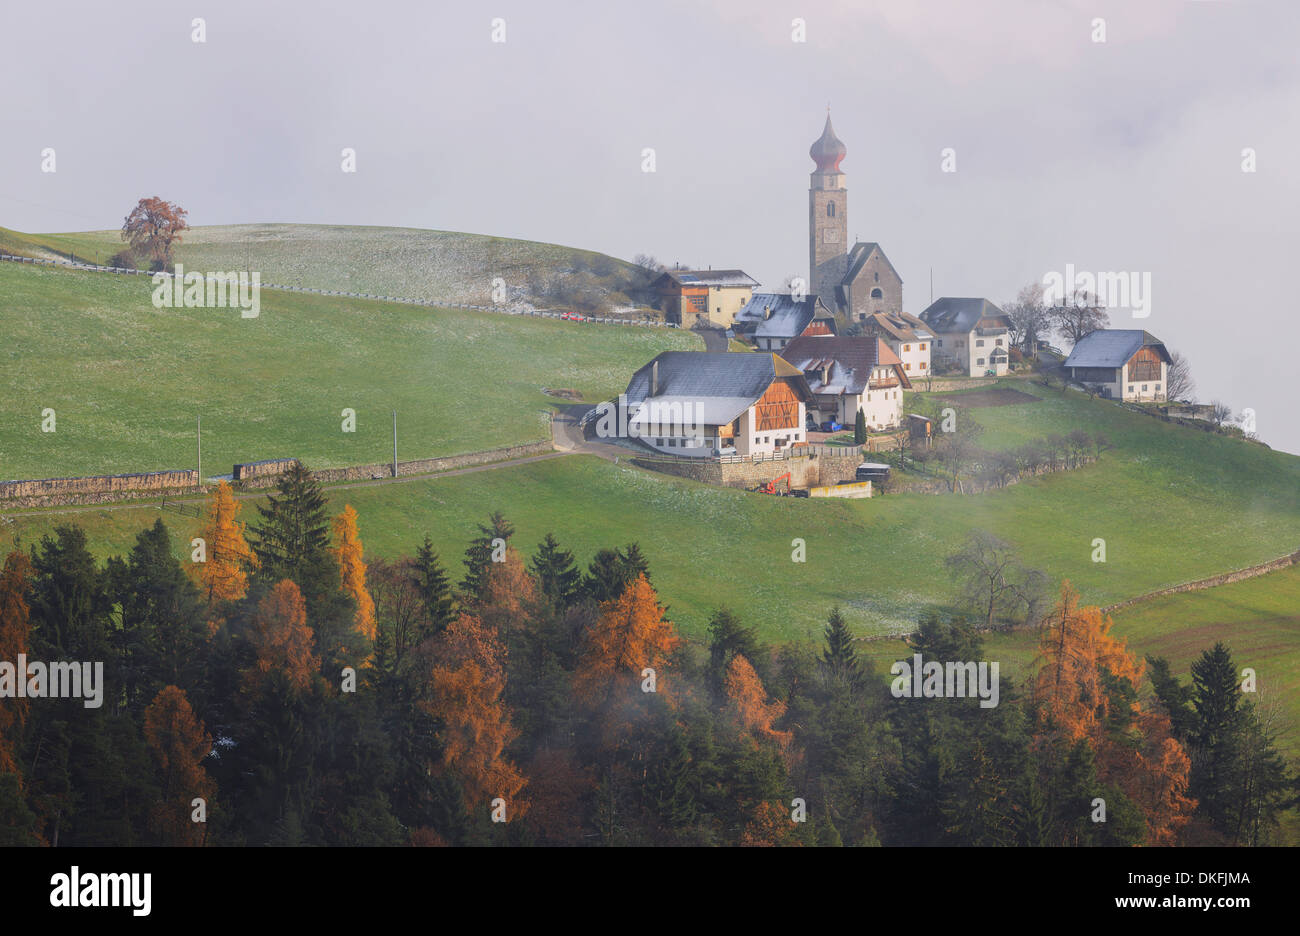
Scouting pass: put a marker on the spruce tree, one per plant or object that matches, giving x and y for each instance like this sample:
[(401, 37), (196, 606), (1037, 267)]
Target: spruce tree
[(556, 573), (840, 658), (292, 539), (728, 637), (860, 428), (490, 542), (434, 587)]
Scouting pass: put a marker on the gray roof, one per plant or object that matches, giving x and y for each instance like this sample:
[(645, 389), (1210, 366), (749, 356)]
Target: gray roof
[(778, 315), (848, 361), (859, 255), (708, 278), (950, 314), (732, 380), (1112, 347)]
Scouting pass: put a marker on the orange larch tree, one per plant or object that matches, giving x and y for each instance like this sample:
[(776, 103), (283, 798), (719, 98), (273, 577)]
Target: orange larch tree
[(224, 574), (179, 743), (281, 638), (467, 683), (749, 703), (352, 569), (1077, 653), (630, 635)]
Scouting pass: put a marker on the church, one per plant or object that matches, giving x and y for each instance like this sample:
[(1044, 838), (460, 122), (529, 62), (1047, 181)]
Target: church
[(853, 282)]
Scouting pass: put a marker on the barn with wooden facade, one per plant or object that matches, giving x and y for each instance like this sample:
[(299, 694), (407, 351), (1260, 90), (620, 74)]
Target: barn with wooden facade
[(1123, 363), (698, 403)]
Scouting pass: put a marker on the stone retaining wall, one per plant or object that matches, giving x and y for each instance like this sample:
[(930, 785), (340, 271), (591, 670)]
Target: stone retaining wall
[(404, 469), (805, 472), (96, 489)]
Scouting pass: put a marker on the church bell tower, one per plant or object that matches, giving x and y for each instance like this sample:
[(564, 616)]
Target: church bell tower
[(828, 218)]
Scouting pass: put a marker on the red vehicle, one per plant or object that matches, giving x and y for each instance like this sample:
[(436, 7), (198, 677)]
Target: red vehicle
[(770, 487)]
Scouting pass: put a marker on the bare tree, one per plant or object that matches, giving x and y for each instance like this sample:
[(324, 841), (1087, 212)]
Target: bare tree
[(1030, 317), (1178, 380), (1080, 316), (995, 578), (1220, 413)]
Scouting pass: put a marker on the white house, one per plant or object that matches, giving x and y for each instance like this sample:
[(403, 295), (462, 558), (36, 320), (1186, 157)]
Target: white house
[(971, 333), (848, 373), (693, 402), (907, 336), (1126, 363)]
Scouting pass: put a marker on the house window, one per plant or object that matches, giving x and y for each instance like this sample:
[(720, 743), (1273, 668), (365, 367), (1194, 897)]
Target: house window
[(979, 342), (1144, 388), (907, 366), (877, 294), (979, 362), (921, 346), (830, 209), (862, 316), (907, 347), (941, 342), (1157, 388), (672, 443), (998, 342), (1130, 388), (659, 441)]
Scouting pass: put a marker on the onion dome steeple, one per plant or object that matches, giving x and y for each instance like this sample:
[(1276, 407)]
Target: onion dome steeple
[(828, 150)]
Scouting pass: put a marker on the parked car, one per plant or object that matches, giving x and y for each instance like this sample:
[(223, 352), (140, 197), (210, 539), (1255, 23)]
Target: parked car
[(725, 450)]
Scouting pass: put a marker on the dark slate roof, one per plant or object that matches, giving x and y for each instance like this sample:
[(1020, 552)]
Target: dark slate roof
[(778, 315), (949, 314), (725, 375), (850, 359), (707, 278), (1112, 347), (859, 255)]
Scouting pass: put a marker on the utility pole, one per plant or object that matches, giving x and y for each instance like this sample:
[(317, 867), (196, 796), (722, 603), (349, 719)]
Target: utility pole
[(198, 444), (931, 285), (394, 443)]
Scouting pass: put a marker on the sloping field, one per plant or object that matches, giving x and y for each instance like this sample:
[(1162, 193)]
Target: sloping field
[(126, 381), (442, 266)]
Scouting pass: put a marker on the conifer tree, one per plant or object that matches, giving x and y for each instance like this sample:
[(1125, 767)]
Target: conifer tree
[(223, 576), (483, 550), (840, 659), (434, 586), (860, 428), (292, 537), (557, 575), (352, 570)]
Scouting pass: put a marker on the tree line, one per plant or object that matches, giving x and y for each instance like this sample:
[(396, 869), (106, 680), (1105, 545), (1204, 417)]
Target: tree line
[(290, 692)]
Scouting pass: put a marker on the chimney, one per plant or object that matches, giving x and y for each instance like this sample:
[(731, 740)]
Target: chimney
[(654, 378)]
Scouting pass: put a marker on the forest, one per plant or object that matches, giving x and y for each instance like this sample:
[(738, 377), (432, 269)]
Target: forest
[(278, 689)]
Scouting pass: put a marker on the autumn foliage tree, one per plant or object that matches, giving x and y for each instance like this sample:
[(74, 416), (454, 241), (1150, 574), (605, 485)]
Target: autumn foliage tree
[(630, 635), (467, 680), (281, 638), (749, 701), (348, 552), (178, 743), (1087, 689), (223, 575), (153, 227)]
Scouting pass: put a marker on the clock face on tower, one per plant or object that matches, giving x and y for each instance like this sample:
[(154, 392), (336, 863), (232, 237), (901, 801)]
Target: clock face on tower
[(830, 236)]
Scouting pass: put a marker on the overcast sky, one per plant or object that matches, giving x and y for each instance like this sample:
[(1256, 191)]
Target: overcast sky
[(1123, 155)]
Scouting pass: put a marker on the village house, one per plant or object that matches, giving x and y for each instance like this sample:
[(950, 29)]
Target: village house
[(907, 336), (972, 334), (773, 320), (848, 373), (696, 403), (687, 296), (1125, 363)]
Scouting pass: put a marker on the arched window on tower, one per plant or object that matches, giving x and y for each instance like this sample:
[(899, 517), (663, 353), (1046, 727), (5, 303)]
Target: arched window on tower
[(830, 209), (876, 293), (877, 277)]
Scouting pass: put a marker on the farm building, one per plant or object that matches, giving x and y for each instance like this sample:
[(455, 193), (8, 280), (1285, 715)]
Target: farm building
[(773, 320), (973, 334), (845, 374), (687, 296), (693, 402), (907, 336), (1126, 363)]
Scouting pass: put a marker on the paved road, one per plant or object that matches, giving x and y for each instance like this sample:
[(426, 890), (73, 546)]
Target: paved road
[(715, 339)]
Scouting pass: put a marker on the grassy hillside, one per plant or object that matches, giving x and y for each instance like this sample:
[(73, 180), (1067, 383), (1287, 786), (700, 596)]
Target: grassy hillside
[(442, 266), (127, 380)]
